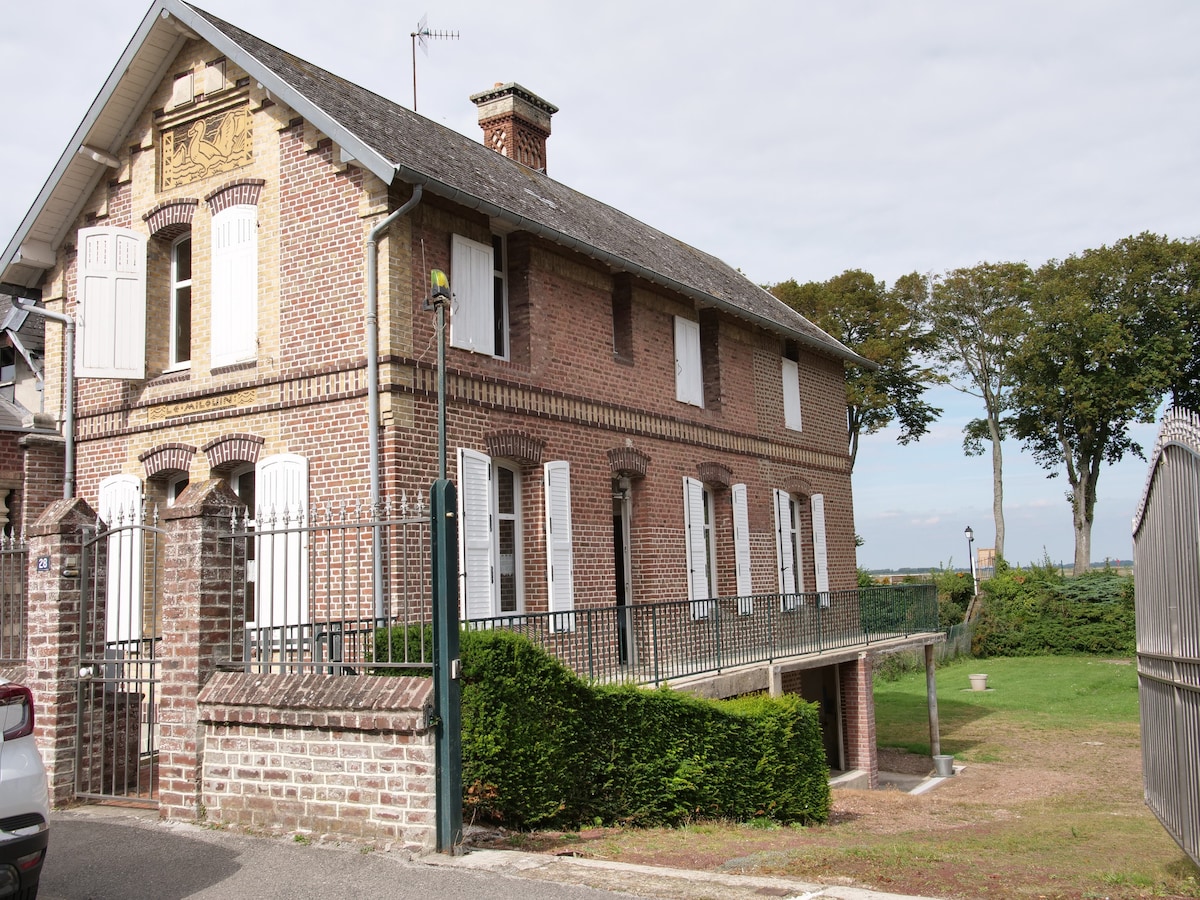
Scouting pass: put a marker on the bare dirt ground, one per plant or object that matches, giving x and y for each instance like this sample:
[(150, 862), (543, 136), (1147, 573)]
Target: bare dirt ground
[(1031, 815)]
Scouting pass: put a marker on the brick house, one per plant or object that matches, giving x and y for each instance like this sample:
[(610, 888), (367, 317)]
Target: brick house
[(630, 420)]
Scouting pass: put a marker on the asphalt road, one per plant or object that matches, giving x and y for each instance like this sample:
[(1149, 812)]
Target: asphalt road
[(98, 854)]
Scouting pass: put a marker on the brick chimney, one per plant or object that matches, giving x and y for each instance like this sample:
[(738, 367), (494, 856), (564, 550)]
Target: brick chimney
[(515, 123)]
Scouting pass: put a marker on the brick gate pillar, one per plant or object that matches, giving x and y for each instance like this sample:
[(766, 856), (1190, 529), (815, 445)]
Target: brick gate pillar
[(196, 629), (55, 606), (858, 710)]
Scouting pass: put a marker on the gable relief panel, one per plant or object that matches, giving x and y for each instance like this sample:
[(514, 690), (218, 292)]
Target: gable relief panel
[(213, 139)]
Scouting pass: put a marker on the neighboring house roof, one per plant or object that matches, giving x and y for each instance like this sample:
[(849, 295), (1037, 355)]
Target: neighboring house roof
[(393, 143)]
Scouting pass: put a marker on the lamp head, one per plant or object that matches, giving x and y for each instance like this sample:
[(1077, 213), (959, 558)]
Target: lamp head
[(970, 534)]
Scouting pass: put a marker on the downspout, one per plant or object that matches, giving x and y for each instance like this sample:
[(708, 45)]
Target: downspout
[(69, 389), (373, 383)]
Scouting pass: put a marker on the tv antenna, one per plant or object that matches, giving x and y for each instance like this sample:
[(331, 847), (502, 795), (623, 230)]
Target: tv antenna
[(423, 36)]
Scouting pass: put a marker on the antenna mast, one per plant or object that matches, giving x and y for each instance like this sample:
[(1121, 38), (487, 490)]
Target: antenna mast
[(423, 36)]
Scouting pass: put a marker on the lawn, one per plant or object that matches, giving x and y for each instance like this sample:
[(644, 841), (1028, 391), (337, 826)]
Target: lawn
[(1048, 804)]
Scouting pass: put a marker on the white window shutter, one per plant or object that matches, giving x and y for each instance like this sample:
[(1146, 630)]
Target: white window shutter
[(281, 585), (476, 534), (120, 502), (741, 549), (791, 394), (111, 316), (697, 546), (820, 561), (473, 314), (689, 380), (784, 546), (234, 298), (560, 555)]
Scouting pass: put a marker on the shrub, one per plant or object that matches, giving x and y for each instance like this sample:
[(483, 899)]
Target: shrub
[(543, 749), (1028, 612)]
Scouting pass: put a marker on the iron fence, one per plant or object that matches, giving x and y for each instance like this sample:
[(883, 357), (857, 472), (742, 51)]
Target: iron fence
[(338, 592), (14, 619), (656, 642)]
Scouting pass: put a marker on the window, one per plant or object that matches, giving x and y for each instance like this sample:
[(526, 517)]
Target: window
[(689, 377), (479, 317), (111, 314), (234, 285), (701, 550), (560, 556), (741, 549), (120, 508), (181, 302), (791, 394), (175, 487), (8, 374), (788, 550), (490, 552)]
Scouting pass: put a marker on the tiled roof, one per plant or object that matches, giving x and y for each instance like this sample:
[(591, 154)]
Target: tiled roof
[(464, 170)]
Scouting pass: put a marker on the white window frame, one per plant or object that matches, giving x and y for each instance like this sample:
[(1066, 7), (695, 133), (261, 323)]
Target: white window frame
[(479, 536), (792, 418), (741, 549), (111, 310), (700, 547), (234, 299), (789, 553), (473, 282), (176, 359), (560, 559), (120, 508), (689, 369)]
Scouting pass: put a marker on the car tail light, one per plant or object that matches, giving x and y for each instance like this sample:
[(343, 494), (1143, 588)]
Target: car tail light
[(16, 710)]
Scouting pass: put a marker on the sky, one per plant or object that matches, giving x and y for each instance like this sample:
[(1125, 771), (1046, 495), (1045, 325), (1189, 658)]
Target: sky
[(790, 139)]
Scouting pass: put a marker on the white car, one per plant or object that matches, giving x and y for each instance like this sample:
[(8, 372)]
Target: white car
[(24, 801)]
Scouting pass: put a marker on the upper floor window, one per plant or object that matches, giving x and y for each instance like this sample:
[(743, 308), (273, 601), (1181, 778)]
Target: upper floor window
[(181, 302), (234, 285), (479, 318), (689, 374), (8, 374)]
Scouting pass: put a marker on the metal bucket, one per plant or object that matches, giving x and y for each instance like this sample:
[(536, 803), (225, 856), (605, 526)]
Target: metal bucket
[(943, 766)]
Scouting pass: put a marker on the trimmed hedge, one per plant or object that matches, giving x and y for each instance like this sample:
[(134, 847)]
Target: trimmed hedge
[(1035, 611), (541, 748)]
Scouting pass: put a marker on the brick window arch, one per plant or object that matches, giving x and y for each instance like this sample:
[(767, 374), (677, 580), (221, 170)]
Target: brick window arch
[(167, 459), (240, 192), (169, 220), (232, 451)]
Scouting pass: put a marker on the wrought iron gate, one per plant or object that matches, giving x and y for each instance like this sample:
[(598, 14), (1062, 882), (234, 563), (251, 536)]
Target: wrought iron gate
[(116, 752)]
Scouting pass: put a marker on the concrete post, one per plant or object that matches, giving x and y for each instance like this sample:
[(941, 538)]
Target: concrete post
[(199, 615)]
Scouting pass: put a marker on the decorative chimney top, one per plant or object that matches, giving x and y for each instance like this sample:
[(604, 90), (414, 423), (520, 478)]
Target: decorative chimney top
[(515, 123)]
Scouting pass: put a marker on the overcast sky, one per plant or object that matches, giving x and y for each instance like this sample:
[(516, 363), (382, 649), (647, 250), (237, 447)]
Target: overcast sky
[(791, 139)]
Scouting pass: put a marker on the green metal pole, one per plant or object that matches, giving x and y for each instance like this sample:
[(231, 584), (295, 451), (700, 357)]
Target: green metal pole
[(447, 690)]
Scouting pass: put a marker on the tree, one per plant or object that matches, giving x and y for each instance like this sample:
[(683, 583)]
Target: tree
[(976, 318), (1099, 356), (878, 324)]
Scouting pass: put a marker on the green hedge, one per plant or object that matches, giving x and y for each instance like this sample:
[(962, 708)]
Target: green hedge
[(541, 748), (1029, 612)]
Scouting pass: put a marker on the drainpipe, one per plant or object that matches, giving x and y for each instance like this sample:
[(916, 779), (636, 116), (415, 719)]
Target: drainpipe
[(69, 403), (373, 383)]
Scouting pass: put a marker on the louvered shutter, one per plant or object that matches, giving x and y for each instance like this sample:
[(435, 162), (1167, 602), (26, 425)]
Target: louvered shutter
[(120, 508), (561, 559), (473, 314), (111, 314), (475, 534), (784, 545), (697, 546), (234, 285), (820, 562), (281, 586), (741, 549), (689, 381), (791, 394)]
